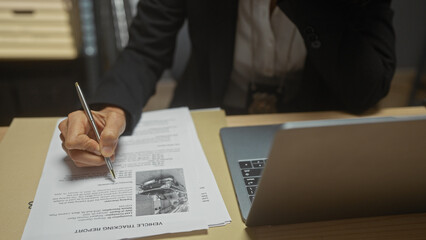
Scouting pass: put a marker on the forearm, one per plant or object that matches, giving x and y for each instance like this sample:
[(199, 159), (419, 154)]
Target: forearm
[(127, 85), (132, 79)]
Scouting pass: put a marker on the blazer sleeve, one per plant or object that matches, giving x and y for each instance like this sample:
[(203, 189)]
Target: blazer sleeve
[(350, 45), (132, 79)]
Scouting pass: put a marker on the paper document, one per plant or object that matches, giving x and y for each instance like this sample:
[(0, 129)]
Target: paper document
[(164, 185)]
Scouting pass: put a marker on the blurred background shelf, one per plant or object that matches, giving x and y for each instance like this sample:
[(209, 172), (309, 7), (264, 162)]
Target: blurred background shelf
[(47, 45), (37, 29)]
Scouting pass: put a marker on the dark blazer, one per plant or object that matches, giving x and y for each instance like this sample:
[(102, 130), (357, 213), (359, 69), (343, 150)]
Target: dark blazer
[(349, 66)]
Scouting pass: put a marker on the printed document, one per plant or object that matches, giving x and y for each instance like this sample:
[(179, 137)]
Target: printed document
[(164, 185)]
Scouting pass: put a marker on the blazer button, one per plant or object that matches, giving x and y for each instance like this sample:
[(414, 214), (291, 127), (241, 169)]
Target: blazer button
[(312, 37), (309, 30), (316, 44)]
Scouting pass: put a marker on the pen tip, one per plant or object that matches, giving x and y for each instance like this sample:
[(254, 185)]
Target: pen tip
[(113, 174)]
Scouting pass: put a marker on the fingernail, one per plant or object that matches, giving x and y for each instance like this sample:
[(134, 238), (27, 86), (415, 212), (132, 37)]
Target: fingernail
[(107, 151)]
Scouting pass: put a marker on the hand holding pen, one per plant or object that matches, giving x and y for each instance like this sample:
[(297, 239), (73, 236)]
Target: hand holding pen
[(79, 139)]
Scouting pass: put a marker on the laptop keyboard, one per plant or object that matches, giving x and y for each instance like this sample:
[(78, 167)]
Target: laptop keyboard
[(251, 169)]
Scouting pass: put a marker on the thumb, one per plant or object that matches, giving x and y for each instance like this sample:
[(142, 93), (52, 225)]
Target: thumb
[(114, 127)]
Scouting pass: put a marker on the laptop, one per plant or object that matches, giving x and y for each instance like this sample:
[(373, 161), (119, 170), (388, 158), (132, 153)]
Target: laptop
[(328, 169)]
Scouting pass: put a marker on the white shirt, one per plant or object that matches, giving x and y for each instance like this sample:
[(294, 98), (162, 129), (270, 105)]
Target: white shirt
[(267, 47)]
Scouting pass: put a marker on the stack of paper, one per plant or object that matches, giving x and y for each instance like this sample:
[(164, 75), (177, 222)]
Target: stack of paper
[(164, 185)]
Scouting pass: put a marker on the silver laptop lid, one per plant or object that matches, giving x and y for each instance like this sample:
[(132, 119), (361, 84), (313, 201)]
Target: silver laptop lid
[(322, 170)]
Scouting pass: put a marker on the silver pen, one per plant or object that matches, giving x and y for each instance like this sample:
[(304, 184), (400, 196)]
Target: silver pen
[(92, 123)]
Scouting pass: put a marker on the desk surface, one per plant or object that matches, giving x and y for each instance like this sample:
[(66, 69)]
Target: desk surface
[(35, 135), (2, 132)]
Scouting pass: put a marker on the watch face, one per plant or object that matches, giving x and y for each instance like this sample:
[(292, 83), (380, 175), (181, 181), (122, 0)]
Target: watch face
[(263, 103), (263, 98)]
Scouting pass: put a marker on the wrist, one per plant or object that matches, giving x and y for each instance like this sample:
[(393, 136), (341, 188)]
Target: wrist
[(114, 109)]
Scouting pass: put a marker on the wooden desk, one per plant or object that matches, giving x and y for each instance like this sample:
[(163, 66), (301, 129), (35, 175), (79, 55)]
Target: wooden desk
[(2, 132), (24, 148)]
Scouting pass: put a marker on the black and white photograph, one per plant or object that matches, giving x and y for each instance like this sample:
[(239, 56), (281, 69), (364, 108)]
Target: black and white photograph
[(161, 192)]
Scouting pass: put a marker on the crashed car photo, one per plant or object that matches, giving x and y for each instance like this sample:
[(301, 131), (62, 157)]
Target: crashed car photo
[(161, 195)]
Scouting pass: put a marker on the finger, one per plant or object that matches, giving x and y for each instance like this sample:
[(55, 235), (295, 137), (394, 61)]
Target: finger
[(65, 149), (82, 142), (63, 127), (114, 127), (86, 159), (100, 119), (77, 138), (77, 164), (76, 161), (86, 162)]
